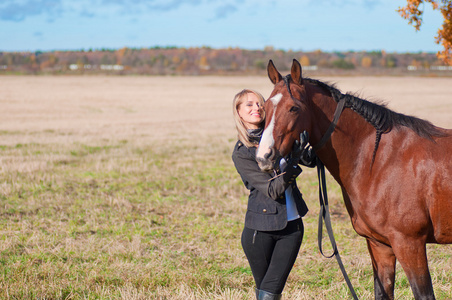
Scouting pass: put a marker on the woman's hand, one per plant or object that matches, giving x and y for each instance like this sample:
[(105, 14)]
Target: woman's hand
[(298, 149)]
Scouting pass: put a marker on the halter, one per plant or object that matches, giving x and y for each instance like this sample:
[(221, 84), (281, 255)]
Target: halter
[(337, 114)]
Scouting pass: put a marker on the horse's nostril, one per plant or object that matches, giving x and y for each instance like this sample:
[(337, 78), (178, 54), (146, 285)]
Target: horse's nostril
[(264, 165), (269, 155)]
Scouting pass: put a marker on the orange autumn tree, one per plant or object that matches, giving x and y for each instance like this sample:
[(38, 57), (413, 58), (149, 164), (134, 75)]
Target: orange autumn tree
[(413, 13)]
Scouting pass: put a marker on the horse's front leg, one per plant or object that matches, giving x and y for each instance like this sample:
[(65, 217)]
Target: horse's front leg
[(412, 255), (383, 263)]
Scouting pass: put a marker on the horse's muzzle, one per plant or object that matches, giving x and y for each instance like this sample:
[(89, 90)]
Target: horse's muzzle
[(266, 163)]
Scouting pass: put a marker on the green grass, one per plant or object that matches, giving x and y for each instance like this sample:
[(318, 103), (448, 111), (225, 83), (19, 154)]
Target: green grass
[(115, 220)]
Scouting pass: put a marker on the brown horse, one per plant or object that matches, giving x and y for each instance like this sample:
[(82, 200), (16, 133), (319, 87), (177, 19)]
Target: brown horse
[(394, 170)]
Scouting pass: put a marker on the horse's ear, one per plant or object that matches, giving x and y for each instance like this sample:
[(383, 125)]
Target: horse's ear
[(273, 74), (295, 72)]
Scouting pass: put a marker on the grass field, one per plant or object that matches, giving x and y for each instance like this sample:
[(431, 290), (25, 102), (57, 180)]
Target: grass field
[(123, 188)]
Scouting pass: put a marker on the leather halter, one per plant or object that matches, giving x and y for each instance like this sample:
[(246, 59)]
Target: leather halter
[(337, 114)]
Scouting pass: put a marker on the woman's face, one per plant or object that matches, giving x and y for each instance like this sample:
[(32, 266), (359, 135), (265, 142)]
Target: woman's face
[(251, 112)]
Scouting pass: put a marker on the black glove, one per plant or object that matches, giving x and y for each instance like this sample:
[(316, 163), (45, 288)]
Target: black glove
[(292, 169), (308, 157), (298, 149)]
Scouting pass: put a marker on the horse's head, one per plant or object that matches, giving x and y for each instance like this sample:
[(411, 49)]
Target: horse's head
[(287, 115)]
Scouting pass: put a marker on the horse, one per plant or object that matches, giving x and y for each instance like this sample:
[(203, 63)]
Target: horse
[(394, 170)]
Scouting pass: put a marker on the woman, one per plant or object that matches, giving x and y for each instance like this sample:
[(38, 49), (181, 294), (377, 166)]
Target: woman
[(273, 228)]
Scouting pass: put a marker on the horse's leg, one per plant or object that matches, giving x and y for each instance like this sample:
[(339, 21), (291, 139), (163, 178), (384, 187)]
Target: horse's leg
[(412, 255), (383, 263)]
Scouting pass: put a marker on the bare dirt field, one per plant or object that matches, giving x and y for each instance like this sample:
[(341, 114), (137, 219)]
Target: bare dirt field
[(160, 108), (124, 188)]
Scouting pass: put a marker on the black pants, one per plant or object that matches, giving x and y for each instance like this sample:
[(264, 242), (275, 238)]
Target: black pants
[(272, 254)]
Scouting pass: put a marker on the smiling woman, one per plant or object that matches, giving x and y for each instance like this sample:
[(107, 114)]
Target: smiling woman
[(273, 228), (251, 112), (248, 114)]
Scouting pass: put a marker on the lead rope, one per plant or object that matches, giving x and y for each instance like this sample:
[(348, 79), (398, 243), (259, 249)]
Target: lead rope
[(324, 214)]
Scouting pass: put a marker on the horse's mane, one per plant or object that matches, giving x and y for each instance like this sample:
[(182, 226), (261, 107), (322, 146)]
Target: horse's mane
[(379, 116)]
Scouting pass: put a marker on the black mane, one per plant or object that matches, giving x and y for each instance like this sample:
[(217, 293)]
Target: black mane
[(380, 117)]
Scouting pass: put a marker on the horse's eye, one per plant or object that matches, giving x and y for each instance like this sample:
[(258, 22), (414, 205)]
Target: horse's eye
[(294, 109)]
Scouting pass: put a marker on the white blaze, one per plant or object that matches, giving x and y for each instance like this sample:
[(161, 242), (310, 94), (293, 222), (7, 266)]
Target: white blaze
[(267, 140)]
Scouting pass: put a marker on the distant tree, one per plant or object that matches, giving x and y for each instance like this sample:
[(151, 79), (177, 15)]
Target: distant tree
[(391, 62), (50, 62), (304, 61), (80, 64), (53, 60), (324, 63), (416, 63), (120, 55), (107, 60), (366, 62), (176, 60), (343, 64), (413, 13), (203, 63), (260, 64), (183, 66)]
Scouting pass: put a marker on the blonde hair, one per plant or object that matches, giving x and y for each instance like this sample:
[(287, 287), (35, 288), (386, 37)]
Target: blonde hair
[(242, 131)]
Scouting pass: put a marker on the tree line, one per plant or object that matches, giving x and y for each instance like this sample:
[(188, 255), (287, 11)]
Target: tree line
[(209, 61)]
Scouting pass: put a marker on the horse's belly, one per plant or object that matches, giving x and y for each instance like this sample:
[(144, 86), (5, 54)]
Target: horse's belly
[(440, 205), (365, 229), (441, 216)]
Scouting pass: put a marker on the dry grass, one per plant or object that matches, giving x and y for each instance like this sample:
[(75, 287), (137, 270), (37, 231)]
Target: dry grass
[(123, 188)]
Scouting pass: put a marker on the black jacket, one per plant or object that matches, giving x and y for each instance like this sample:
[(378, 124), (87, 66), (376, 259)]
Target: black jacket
[(266, 203)]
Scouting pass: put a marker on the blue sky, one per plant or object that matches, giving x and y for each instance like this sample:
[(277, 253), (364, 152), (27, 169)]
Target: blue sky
[(30, 25)]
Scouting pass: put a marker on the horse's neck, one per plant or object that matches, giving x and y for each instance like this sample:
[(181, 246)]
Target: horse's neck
[(323, 114), (351, 136)]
